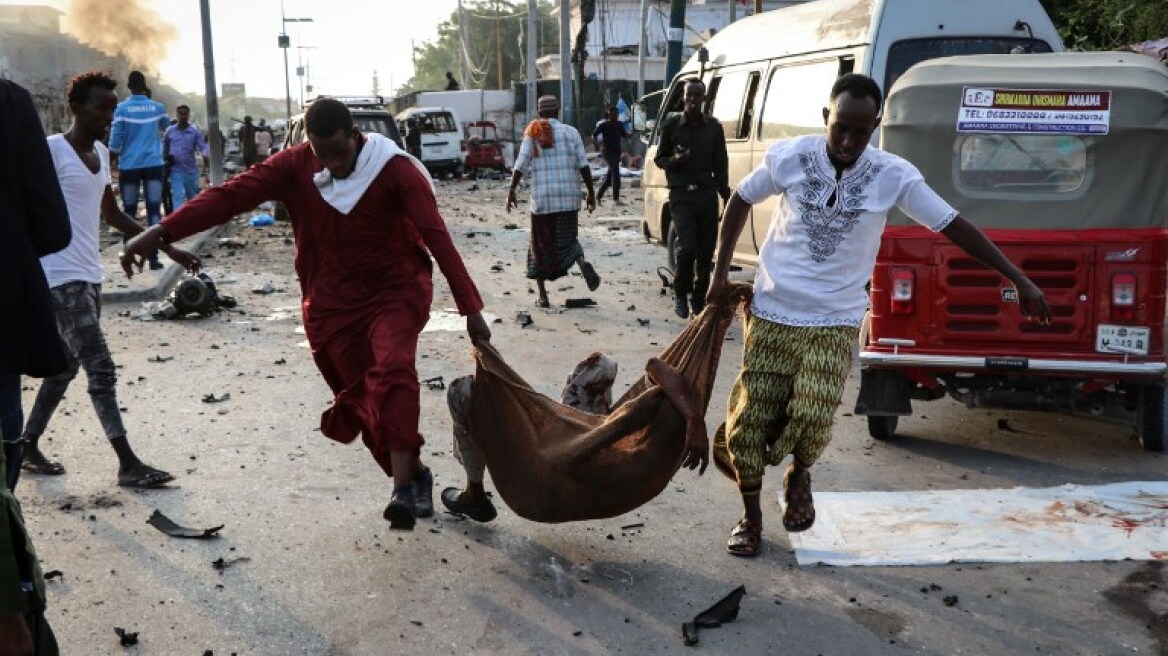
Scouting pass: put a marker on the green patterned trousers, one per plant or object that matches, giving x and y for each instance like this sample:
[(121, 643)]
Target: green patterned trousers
[(785, 397)]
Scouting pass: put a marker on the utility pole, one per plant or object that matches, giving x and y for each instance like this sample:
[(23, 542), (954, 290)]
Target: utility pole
[(462, 63), (757, 7), (212, 98), (531, 54), (642, 44), (733, 6), (498, 44), (565, 60), (676, 33)]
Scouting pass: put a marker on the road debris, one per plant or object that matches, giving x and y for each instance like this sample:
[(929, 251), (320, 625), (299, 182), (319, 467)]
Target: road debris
[(167, 526), (125, 638), (725, 611), (220, 564), (524, 319), (435, 383), (211, 398), (579, 303), (160, 358)]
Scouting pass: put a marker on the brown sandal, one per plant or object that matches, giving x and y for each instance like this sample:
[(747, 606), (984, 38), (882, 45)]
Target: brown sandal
[(799, 513), (745, 540)]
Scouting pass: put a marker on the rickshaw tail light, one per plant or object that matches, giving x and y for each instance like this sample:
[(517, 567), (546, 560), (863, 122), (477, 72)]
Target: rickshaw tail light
[(903, 287), (1123, 297)]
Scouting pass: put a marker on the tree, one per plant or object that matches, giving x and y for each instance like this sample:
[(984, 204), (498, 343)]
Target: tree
[(495, 30), (1108, 24)]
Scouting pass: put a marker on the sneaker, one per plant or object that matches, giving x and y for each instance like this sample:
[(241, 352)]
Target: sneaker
[(480, 511), (697, 304), (424, 494), (681, 306), (401, 512)]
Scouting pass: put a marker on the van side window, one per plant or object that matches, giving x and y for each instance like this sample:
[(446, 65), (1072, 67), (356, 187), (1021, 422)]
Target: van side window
[(730, 101), (795, 98), (672, 105)]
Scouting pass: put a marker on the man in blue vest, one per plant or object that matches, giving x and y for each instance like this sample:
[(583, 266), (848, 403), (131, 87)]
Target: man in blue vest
[(136, 146)]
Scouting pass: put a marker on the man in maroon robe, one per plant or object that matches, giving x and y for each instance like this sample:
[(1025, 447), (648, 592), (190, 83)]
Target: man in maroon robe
[(366, 225)]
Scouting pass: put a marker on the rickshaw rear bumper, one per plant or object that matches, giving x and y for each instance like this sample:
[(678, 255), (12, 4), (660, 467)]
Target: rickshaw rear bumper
[(1148, 371)]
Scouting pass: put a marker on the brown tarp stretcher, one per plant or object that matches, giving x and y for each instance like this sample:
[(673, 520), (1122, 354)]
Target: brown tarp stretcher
[(553, 463)]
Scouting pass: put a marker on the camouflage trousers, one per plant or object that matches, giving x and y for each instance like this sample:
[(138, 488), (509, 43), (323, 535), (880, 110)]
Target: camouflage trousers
[(785, 397), (77, 306)]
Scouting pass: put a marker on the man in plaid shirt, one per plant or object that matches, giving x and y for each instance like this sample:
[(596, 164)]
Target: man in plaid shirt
[(553, 154)]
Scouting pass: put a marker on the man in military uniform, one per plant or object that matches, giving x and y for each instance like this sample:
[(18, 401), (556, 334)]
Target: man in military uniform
[(692, 153)]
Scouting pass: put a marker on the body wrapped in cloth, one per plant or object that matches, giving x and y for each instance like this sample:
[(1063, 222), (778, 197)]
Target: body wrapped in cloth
[(553, 463)]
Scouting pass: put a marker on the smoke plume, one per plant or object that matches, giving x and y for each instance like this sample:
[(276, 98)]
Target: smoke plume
[(129, 28)]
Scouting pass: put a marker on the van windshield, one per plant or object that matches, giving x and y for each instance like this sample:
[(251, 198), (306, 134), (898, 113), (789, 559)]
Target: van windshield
[(903, 55)]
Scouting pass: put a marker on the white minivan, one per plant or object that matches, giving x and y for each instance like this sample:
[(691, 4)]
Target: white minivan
[(437, 134), (768, 77)]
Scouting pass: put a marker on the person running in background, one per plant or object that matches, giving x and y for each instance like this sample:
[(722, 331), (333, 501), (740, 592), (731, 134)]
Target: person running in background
[(610, 134), (554, 155), (136, 145), (75, 275), (179, 145)]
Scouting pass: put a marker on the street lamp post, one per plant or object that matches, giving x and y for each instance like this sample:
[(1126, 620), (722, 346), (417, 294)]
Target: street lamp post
[(284, 41)]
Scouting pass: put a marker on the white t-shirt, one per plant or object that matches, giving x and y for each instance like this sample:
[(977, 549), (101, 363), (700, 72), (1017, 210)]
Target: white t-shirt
[(817, 257), (80, 261)]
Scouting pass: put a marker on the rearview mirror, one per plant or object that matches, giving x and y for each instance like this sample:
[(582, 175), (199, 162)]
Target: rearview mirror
[(639, 119)]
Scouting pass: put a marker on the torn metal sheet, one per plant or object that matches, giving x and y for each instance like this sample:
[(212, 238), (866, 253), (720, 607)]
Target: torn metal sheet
[(167, 526), (723, 612)]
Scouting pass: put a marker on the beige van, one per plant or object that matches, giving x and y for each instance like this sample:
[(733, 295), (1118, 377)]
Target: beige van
[(768, 76)]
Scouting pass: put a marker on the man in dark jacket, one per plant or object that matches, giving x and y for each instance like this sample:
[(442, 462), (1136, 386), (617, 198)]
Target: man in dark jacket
[(34, 221), (692, 153)]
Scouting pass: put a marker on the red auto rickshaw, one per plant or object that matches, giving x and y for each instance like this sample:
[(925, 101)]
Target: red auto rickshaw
[(1061, 160), (483, 148)]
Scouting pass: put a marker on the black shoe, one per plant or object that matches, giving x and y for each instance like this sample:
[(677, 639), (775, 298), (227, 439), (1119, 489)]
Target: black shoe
[(424, 494), (681, 306), (590, 276), (697, 304), (401, 512), (480, 511), (155, 265)]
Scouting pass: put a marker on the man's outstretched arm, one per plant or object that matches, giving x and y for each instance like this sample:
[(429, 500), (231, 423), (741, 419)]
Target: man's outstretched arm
[(974, 242), (268, 180)]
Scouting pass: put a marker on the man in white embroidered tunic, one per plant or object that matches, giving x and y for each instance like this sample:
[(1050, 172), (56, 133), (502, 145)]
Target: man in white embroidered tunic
[(809, 296)]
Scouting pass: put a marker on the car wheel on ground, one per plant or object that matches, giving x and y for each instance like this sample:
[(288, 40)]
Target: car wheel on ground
[(882, 427)]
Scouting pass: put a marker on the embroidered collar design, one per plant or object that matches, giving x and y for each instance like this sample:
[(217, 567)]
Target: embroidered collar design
[(828, 225)]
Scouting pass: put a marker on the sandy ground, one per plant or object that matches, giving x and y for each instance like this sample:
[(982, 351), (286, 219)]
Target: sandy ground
[(315, 570)]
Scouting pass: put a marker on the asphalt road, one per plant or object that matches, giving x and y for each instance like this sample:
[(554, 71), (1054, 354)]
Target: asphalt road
[(318, 571)]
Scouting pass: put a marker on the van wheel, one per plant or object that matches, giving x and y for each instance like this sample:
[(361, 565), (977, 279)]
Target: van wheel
[(671, 247), (882, 427), (1153, 417)]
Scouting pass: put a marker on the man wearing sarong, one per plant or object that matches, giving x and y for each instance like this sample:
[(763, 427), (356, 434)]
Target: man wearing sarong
[(809, 298), (554, 155), (366, 225)]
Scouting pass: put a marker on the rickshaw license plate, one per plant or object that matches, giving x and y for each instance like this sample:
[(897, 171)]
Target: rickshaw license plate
[(1131, 339)]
